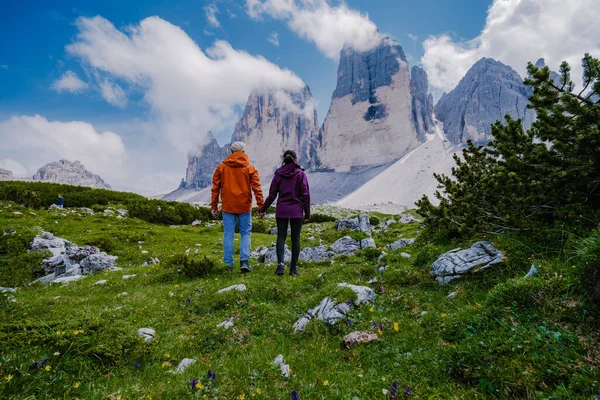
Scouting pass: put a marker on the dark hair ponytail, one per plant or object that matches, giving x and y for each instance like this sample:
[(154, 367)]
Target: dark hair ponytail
[(289, 157)]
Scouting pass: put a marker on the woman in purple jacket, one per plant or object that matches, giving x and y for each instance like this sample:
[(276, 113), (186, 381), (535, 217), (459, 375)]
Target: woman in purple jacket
[(290, 186)]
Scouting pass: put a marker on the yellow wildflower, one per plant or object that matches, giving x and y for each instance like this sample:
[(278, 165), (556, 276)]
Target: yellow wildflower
[(242, 396), (574, 266), (444, 315), (48, 367), (167, 355), (396, 327), (199, 386), (176, 286), (383, 378), (371, 309), (170, 293), (379, 331), (8, 377), (118, 294), (258, 390), (118, 397), (165, 364), (325, 382), (77, 384), (477, 305)]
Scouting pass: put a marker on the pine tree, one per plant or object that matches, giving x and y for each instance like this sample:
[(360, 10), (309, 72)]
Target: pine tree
[(527, 179)]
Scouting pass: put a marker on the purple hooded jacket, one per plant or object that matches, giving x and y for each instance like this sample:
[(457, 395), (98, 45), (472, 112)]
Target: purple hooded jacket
[(291, 185)]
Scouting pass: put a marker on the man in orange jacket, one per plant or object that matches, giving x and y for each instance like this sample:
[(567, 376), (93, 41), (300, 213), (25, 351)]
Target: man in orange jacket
[(234, 180)]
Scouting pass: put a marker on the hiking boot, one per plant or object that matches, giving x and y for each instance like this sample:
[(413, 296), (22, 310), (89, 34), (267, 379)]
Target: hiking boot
[(293, 270), (245, 267), (280, 269)]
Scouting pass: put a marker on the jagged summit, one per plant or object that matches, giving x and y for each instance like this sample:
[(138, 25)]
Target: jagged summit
[(370, 120), (488, 92), (273, 121), (70, 173)]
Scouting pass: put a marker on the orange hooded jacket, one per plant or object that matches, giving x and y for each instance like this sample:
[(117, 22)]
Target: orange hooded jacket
[(235, 179)]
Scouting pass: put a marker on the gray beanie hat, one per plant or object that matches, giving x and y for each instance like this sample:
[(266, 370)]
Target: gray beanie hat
[(237, 146)]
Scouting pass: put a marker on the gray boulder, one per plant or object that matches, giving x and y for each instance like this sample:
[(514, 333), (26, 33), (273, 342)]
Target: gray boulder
[(271, 255), (7, 289), (314, 254), (400, 244), (346, 245), (148, 334), (364, 224), (327, 311), (239, 287), (455, 263), (359, 337), (368, 242), (407, 219), (363, 294), (95, 263), (352, 224)]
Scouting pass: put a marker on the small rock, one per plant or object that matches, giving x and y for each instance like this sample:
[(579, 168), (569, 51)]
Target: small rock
[(453, 264), (532, 272), (148, 334), (359, 337), (7, 289), (102, 282), (314, 254), (364, 294), (285, 370), (67, 279), (382, 268), (372, 280), (144, 251), (399, 244), (128, 276), (405, 255), (183, 365), (240, 287), (17, 213), (451, 295), (124, 294), (381, 256), (364, 224), (196, 222), (406, 219), (228, 323)]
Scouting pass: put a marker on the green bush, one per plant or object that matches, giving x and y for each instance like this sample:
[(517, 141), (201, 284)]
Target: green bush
[(588, 252), (370, 254), (374, 220), (529, 180), (319, 218), (22, 269), (105, 244), (167, 212), (194, 268), (261, 226)]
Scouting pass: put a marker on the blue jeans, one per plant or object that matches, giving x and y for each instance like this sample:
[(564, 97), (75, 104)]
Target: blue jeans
[(229, 222)]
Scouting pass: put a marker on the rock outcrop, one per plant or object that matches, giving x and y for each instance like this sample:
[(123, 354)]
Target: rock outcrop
[(202, 164), (455, 263), (69, 173), (488, 92), (370, 120), (422, 102), (273, 121)]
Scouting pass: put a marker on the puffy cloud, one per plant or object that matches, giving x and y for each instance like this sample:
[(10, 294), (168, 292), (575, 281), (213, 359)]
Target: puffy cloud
[(190, 91), (412, 37), (69, 82), (35, 141), (113, 94), (329, 27), (211, 11), (273, 38), (518, 31), (15, 167)]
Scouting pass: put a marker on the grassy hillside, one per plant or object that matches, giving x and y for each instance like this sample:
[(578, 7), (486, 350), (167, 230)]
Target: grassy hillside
[(502, 336)]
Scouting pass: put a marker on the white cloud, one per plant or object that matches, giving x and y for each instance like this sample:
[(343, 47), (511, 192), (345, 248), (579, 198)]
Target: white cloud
[(113, 94), (518, 31), (69, 82), (329, 27), (35, 141), (412, 37), (189, 91), (211, 11), (18, 169), (273, 38)]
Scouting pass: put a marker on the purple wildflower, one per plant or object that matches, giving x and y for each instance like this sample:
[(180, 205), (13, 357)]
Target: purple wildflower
[(137, 365), (212, 375), (380, 327), (194, 383), (408, 391), (36, 365), (374, 324), (295, 395), (187, 300), (44, 363), (350, 303), (349, 323), (394, 391)]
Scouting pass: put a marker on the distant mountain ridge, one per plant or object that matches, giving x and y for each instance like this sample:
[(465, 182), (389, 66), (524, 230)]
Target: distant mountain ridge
[(488, 92), (69, 173)]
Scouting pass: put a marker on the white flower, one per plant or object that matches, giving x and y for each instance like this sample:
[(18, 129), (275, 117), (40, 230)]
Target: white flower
[(57, 353)]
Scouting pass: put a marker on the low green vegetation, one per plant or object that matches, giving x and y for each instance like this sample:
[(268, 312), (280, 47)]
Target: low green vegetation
[(502, 336)]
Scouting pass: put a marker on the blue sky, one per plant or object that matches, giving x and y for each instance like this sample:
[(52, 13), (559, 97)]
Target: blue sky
[(130, 95), (44, 28)]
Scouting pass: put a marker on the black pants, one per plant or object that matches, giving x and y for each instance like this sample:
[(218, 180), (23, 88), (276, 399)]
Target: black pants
[(282, 227)]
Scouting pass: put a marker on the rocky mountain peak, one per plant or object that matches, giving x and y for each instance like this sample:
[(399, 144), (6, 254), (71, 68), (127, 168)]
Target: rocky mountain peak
[(370, 120), (488, 92), (202, 164), (70, 173), (422, 102)]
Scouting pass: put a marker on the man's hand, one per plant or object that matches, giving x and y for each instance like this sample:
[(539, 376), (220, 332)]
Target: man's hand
[(307, 221), (260, 215), (215, 214)]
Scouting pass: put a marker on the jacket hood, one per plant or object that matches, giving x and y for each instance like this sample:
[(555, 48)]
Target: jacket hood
[(238, 159), (289, 170)]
